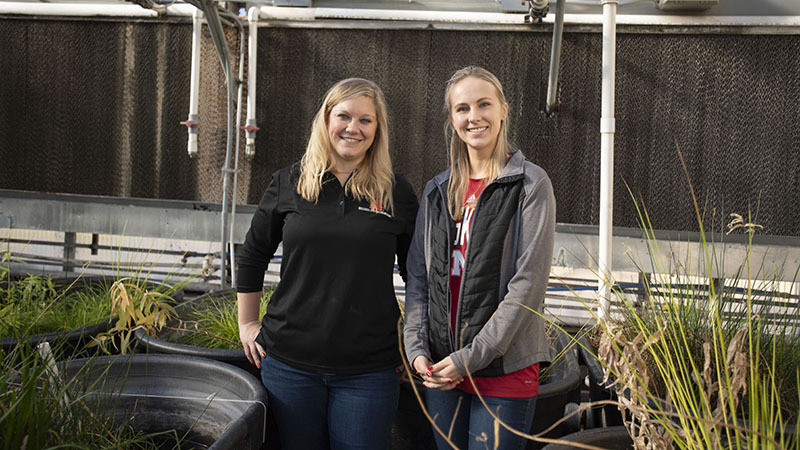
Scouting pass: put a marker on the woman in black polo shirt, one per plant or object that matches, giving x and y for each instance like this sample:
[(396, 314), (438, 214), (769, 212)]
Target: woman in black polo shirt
[(327, 346)]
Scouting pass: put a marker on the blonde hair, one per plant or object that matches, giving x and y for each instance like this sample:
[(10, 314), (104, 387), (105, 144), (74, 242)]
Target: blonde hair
[(373, 179), (459, 156)]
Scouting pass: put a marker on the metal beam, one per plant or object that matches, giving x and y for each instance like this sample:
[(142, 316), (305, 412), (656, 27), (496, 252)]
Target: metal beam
[(575, 245), (772, 257), (175, 219)]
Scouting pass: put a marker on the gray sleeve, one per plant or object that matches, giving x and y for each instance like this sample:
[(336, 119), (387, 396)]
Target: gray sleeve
[(415, 328), (527, 286)]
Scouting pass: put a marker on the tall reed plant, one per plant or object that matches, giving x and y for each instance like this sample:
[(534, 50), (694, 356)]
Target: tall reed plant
[(700, 364)]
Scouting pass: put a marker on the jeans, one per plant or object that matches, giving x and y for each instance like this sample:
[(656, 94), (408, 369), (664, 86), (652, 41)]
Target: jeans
[(473, 428), (317, 411)]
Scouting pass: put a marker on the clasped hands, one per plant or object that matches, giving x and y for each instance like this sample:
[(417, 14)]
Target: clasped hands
[(442, 375)]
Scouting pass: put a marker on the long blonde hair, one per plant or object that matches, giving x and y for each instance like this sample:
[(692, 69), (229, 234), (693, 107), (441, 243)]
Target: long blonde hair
[(373, 179), (459, 156)]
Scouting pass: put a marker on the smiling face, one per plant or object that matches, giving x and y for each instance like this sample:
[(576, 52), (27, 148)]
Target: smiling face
[(352, 125), (476, 113)]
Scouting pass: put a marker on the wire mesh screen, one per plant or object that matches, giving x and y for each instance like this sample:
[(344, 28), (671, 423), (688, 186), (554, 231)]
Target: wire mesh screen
[(94, 107)]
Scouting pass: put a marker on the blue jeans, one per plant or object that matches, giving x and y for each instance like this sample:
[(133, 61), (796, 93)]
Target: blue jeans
[(473, 427), (314, 411)]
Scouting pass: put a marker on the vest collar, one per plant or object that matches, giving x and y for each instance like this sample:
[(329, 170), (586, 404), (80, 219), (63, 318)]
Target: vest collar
[(512, 171)]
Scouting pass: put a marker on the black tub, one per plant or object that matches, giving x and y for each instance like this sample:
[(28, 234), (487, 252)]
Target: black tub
[(560, 387), (163, 344), (610, 438), (601, 415), (215, 405), (411, 429), (164, 341)]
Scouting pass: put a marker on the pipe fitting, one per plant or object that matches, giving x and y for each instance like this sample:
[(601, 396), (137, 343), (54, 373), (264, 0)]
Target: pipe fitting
[(537, 10), (253, 14), (607, 125), (194, 85), (191, 124), (251, 128), (250, 139)]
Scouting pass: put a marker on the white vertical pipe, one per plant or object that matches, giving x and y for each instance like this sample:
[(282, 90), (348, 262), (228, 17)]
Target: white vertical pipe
[(250, 125), (194, 86), (607, 155)]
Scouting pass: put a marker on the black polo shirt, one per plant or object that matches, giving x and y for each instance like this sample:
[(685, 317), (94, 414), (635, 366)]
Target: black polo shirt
[(334, 310)]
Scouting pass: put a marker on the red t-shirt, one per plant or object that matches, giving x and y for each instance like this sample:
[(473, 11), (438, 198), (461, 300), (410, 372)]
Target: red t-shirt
[(520, 384)]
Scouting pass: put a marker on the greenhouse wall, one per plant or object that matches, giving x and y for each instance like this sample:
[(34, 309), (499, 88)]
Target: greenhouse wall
[(94, 107)]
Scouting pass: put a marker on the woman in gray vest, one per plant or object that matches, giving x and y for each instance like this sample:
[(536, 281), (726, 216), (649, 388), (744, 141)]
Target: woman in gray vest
[(478, 269)]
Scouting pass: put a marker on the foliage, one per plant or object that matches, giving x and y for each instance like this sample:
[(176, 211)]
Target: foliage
[(213, 322), (38, 410), (135, 308), (35, 305), (703, 365)]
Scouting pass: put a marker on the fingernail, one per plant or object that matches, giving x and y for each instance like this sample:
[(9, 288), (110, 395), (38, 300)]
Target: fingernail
[(428, 374), (418, 372), (430, 368), (263, 355), (258, 365)]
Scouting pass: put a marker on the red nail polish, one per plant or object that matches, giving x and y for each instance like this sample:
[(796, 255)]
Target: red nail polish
[(430, 368), (428, 374)]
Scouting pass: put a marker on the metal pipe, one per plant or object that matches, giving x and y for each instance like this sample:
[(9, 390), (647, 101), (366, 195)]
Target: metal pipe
[(599, 3), (750, 24), (607, 127), (251, 128), (218, 35), (482, 19), (194, 85), (89, 9), (311, 14), (694, 20), (555, 57), (76, 9), (231, 242)]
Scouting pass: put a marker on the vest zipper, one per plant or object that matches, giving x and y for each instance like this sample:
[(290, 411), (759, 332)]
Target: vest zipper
[(450, 334), (457, 333)]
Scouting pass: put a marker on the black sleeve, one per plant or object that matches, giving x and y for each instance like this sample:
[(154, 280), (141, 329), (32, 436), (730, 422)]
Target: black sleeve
[(261, 241), (407, 205)]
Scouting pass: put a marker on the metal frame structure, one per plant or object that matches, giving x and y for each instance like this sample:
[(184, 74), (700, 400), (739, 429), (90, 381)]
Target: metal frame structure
[(576, 245)]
